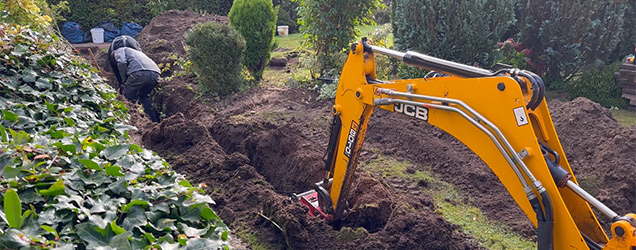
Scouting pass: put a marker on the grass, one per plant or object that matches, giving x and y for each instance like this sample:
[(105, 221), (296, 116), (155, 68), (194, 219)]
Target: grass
[(625, 117), (254, 240), (450, 205), (291, 42)]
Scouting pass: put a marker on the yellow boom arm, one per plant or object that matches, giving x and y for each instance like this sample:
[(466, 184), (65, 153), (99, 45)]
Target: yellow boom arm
[(501, 116)]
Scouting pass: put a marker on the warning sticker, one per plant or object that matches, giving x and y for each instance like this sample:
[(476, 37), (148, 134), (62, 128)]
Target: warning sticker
[(520, 116)]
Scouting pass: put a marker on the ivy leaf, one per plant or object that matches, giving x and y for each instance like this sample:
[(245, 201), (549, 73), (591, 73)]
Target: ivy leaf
[(169, 246), (117, 229), (69, 121), (87, 232), (50, 230), (10, 116), (29, 75), (128, 206), (90, 164), (194, 232), (3, 134), (134, 218), (20, 137), (121, 241), (185, 183), (13, 239), (114, 171), (203, 243), (98, 221), (56, 189), (43, 84), (11, 172), (208, 214), (13, 208), (191, 213), (114, 152), (20, 49), (66, 148)]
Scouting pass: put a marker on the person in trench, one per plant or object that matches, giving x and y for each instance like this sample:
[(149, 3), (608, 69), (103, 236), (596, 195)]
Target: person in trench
[(136, 73)]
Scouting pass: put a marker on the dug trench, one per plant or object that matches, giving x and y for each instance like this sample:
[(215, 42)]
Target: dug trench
[(253, 159)]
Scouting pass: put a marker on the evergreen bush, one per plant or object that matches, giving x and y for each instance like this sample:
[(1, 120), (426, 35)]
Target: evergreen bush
[(256, 21), (570, 36), (457, 30), (216, 51), (600, 86)]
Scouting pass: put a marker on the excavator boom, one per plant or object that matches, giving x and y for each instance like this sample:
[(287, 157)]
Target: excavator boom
[(502, 116)]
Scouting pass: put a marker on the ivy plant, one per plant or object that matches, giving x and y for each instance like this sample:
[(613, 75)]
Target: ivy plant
[(70, 177)]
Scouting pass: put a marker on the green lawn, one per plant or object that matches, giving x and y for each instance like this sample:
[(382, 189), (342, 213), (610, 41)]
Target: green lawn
[(624, 117), (294, 41)]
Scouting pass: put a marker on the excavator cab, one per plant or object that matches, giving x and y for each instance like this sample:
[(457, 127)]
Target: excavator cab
[(500, 114)]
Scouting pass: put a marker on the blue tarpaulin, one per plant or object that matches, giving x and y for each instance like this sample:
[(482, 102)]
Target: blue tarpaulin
[(72, 31), (130, 29)]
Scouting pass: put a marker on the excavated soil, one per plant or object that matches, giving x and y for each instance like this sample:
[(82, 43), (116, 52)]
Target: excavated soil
[(254, 149)]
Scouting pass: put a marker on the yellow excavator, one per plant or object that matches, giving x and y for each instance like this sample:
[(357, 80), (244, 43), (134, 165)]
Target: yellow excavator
[(501, 115)]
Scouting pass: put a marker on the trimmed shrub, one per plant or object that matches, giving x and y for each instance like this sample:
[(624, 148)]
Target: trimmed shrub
[(599, 85), (216, 51), (256, 21), (457, 30), (570, 36)]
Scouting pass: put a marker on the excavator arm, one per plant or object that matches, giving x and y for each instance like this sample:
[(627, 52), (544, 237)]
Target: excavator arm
[(502, 116)]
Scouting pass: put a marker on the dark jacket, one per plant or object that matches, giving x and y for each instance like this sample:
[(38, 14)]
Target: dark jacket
[(130, 60), (120, 42)]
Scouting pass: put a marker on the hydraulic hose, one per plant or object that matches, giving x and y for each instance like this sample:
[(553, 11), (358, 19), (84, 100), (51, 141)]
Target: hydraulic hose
[(545, 228)]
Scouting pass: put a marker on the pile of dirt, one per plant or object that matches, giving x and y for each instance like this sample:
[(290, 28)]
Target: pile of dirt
[(601, 152), (163, 37)]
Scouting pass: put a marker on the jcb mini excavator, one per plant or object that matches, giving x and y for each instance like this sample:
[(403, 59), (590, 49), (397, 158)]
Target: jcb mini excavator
[(501, 115)]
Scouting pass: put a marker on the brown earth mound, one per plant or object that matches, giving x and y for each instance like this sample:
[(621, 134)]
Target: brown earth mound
[(600, 151), (163, 36)]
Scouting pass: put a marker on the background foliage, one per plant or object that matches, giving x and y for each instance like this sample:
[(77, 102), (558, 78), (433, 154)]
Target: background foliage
[(70, 176), (26, 12), (255, 20), (330, 26), (457, 30), (89, 12), (216, 51), (571, 36), (287, 14), (598, 85)]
